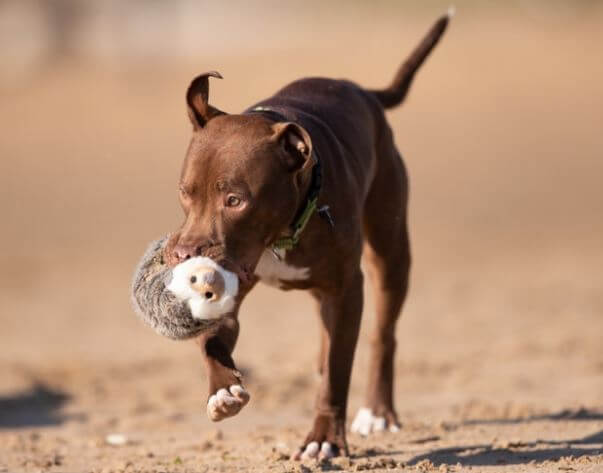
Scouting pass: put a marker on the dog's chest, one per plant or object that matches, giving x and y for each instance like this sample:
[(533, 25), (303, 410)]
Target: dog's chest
[(274, 272)]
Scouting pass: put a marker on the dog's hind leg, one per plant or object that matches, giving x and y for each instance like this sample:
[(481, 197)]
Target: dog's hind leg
[(387, 253)]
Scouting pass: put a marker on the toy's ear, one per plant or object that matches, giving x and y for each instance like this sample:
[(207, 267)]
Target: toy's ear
[(197, 96), (296, 144)]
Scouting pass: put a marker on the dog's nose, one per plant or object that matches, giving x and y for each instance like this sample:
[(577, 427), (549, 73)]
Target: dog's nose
[(184, 252), (208, 282)]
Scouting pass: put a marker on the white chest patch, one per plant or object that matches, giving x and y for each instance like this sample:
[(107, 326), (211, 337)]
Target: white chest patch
[(273, 271)]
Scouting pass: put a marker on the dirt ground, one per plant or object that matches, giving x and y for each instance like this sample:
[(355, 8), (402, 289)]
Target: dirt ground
[(500, 361)]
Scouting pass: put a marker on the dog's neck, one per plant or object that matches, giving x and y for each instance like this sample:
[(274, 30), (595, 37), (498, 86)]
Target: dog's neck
[(310, 187)]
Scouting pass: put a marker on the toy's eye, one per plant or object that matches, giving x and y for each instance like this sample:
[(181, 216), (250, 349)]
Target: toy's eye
[(193, 279), (233, 201)]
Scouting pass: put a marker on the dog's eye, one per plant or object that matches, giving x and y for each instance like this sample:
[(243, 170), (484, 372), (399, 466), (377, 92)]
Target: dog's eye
[(233, 201)]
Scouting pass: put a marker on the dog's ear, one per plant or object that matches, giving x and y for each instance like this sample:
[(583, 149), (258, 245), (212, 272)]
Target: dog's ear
[(197, 96), (296, 144)]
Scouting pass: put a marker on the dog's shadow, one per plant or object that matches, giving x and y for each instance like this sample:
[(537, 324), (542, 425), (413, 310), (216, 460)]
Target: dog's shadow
[(38, 406), (520, 452)]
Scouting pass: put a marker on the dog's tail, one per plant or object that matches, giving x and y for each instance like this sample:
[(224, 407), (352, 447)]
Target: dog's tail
[(397, 90)]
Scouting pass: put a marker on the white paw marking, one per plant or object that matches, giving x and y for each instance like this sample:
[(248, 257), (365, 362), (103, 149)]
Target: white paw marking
[(366, 422), (326, 451), (239, 391), (272, 270), (227, 402), (225, 397), (202, 308), (316, 450), (311, 451)]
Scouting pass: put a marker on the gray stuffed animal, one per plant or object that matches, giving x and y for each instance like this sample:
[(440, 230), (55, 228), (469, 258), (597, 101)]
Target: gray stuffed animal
[(183, 301)]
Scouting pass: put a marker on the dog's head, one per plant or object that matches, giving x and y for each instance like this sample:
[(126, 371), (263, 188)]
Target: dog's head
[(242, 182)]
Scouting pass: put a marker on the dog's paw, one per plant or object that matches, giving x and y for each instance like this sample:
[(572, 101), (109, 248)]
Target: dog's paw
[(227, 402), (315, 450), (326, 439), (367, 422)]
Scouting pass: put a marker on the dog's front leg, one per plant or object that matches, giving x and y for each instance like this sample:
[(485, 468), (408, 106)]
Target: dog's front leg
[(226, 393), (340, 312)]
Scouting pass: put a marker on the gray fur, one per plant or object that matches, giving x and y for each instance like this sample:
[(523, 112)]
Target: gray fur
[(157, 306)]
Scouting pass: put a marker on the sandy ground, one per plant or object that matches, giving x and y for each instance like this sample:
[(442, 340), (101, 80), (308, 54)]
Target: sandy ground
[(500, 362)]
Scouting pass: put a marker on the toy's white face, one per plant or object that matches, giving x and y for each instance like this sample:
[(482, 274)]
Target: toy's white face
[(209, 290)]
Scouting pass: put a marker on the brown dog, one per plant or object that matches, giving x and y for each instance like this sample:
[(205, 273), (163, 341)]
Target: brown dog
[(290, 192)]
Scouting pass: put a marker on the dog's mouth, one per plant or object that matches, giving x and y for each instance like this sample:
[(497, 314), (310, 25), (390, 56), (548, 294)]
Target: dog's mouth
[(244, 272), (167, 314), (187, 299)]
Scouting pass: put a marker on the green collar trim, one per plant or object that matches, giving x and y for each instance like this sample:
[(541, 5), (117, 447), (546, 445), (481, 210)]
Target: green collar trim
[(290, 242)]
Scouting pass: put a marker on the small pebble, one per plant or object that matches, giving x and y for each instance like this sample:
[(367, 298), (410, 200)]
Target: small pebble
[(117, 440)]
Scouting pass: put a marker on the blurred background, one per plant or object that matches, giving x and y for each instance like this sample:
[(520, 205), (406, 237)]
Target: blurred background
[(502, 133)]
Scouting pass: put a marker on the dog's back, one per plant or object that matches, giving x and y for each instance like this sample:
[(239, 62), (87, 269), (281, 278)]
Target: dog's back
[(342, 113)]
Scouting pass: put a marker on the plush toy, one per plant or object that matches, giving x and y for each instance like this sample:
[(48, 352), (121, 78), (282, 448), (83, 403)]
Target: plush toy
[(183, 301)]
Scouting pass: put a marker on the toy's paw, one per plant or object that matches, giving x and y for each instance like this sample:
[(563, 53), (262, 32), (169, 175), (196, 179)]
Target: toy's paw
[(367, 422), (227, 402)]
